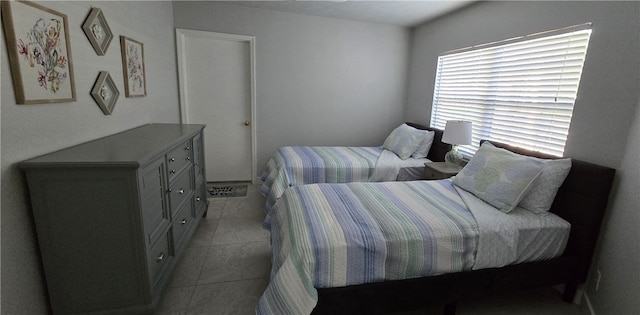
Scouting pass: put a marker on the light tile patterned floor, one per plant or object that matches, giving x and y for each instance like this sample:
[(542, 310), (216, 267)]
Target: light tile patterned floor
[(226, 269)]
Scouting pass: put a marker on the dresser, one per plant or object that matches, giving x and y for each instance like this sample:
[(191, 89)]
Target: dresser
[(113, 216)]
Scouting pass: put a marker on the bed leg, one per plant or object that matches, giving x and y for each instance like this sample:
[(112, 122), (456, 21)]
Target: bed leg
[(569, 293), (450, 309)]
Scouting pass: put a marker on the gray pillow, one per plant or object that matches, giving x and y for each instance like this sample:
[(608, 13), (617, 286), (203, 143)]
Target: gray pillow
[(498, 176)]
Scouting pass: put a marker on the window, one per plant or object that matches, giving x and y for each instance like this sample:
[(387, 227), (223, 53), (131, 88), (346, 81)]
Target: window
[(519, 91)]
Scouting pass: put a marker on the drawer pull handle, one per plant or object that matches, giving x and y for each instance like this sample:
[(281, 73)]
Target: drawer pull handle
[(186, 148), (181, 191), (197, 163), (188, 158), (160, 258), (184, 221), (170, 190), (172, 159), (172, 171), (197, 198)]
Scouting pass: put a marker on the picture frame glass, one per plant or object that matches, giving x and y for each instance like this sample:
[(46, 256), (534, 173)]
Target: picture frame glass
[(133, 67), (39, 52)]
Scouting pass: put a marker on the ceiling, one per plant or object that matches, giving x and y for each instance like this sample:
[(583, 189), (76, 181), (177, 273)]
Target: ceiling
[(401, 13)]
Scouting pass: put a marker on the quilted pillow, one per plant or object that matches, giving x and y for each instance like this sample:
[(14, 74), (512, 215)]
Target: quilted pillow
[(544, 189), (498, 176), (425, 145), (403, 141)]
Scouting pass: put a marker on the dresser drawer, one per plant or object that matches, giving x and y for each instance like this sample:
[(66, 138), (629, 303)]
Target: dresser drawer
[(178, 158), (180, 189), (158, 257), (182, 222)]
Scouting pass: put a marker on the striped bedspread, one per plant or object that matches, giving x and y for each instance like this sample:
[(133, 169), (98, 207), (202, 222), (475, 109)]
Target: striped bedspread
[(300, 165), (333, 235)]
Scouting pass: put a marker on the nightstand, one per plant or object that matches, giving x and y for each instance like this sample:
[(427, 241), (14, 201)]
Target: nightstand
[(439, 170)]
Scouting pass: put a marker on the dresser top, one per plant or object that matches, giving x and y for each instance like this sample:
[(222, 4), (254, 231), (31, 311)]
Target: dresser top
[(127, 148)]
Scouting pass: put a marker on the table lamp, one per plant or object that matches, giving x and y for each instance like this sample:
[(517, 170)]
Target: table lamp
[(456, 132)]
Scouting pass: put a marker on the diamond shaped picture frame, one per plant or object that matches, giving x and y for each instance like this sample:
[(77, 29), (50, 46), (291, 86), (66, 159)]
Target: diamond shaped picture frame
[(98, 31), (105, 92)]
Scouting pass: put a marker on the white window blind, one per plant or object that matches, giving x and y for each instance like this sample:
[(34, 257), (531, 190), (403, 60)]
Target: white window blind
[(519, 91)]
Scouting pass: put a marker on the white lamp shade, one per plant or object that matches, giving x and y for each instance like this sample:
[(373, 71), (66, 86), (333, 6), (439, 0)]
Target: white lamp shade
[(457, 132)]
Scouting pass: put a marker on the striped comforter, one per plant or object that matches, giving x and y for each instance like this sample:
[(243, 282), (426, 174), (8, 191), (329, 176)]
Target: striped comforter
[(300, 165), (333, 235)]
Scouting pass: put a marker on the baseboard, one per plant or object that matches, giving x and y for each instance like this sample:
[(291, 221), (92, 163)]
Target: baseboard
[(586, 308)]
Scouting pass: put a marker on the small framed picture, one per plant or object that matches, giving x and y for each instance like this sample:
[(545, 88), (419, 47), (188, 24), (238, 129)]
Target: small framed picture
[(133, 67), (39, 53), (105, 92), (97, 30)]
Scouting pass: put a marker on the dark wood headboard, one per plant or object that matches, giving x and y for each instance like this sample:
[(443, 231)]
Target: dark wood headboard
[(438, 148)]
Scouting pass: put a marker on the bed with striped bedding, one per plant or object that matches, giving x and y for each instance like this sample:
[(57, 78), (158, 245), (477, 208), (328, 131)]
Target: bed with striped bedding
[(308, 279), (335, 235), (300, 165)]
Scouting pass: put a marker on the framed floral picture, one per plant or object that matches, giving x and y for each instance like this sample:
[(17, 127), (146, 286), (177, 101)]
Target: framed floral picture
[(105, 92), (98, 31), (135, 83), (39, 53)]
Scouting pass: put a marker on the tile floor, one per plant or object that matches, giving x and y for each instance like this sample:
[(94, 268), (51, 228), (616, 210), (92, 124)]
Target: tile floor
[(226, 268)]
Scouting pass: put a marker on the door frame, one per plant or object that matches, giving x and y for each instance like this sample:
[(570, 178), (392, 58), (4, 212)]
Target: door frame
[(181, 35)]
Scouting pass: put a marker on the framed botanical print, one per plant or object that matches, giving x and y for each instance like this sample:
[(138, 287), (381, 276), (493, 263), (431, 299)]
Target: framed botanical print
[(98, 31), (135, 83), (39, 53), (105, 92)]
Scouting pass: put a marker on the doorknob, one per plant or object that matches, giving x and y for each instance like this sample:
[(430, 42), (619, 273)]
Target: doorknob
[(247, 123)]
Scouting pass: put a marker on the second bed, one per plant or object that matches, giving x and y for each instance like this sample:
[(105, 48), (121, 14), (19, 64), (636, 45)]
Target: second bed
[(301, 165)]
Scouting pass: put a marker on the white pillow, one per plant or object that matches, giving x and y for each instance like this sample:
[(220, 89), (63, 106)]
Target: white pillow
[(544, 189), (403, 141), (498, 176), (423, 149)]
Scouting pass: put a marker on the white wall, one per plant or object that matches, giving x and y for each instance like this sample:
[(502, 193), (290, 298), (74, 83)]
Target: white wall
[(319, 81), (32, 130), (603, 129)]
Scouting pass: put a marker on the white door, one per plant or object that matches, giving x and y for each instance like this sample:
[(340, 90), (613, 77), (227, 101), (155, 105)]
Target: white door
[(217, 89)]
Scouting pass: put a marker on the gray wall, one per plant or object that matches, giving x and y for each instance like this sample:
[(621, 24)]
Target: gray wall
[(32, 130), (618, 255), (609, 85), (319, 81), (601, 129)]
